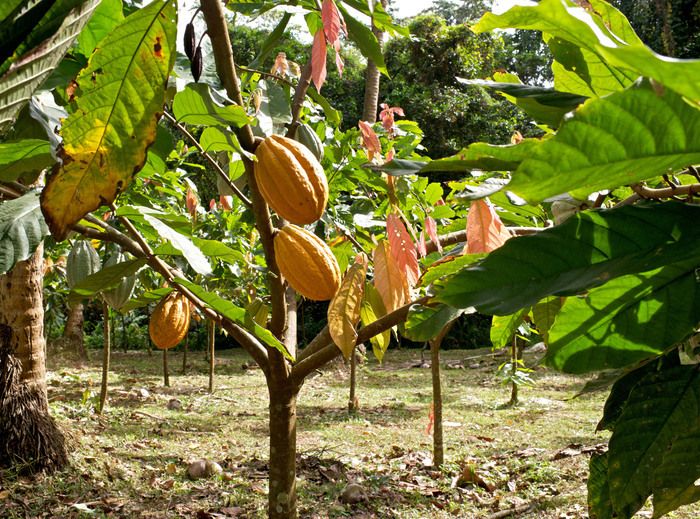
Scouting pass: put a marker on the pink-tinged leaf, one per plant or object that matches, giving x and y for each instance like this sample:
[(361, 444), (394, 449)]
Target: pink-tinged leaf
[(344, 308), (281, 65), (390, 155), (440, 202), (431, 229), (485, 230), (212, 204), (191, 202), (333, 23), (402, 249), (339, 60), (387, 116), (421, 245), (370, 141), (318, 60), (389, 279), (226, 202)]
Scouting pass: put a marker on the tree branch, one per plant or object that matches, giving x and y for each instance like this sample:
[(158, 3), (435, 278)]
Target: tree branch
[(327, 350), (665, 192), (460, 236), (219, 171), (299, 96)]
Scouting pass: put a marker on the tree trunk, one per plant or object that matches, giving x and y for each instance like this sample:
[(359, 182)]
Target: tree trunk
[(438, 444), (353, 403), (106, 351), (514, 358), (29, 437), (211, 345), (73, 339), (166, 375), (282, 497), (125, 339), (184, 356), (372, 76)]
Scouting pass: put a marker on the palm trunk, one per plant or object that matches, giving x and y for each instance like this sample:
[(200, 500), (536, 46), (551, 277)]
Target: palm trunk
[(372, 76), (29, 437), (282, 497)]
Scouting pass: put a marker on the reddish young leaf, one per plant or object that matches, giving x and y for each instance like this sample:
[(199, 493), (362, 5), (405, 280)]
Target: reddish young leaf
[(421, 246), (318, 60), (402, 249), (212, 204), (389, 280), (333, 25), (344, 308), (431, 229), (390, 155), (485, 230), (387, 116), (191, 202), (281, 65), (226, 202), (370, 141)]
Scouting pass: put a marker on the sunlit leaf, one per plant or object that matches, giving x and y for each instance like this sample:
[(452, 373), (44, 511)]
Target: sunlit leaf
[(22, 229), (424, 323), (373, 309), (504, 327), (389, 279), (402, 249), (19, 157), (344, 308), (195, 105), (190, 251), (485, 230)]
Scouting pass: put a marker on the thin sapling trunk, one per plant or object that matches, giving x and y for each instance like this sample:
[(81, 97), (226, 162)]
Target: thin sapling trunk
[(106, 351), (166, 375), (211, 345)]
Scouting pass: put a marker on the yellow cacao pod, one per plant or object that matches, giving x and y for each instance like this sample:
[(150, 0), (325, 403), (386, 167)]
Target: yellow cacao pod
[(307, 263), (291, 180), (170, 321)]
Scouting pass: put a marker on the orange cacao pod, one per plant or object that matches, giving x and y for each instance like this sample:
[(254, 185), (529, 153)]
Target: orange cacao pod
[(307, 263), (170, 321), (291, 180)]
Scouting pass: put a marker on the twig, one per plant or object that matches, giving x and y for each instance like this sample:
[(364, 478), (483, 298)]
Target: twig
[(665, 192), (299, 96), (266, 74), (522, 509), (219, 170)]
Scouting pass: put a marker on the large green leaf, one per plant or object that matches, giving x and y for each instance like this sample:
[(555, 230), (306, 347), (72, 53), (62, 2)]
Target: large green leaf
[(624, 138), (195, 105), (674, 480), (23, 156), (661, 408), (484, 156), (599, 505), (626, 320), (197, 260), (22, 229), (586, 250), (117, 102), (365, 39), (106, 278), (504, 327), (107, 16), (37, 39), (426, 322), (604, 32), (146, 298), (236, 314)]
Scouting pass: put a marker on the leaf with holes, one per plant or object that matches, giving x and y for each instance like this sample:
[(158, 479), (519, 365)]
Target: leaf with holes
[(402, 249), (117, 104)]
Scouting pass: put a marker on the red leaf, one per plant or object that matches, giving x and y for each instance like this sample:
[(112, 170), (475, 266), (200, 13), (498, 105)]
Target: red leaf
[(318, 60), (226, 202), (421, 246), (212, 204), (485, 230), (387, 116), (431, 229), (402, 249), (333, 23), (390, 155), (281, 65), (389, 280), (191, 202), (370, 140)]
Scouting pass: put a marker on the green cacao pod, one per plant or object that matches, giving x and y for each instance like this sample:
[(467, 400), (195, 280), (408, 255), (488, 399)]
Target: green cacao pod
[(307, 263), (169, 321), (309, 138), (82, 262), (119, 295), (291, 180)]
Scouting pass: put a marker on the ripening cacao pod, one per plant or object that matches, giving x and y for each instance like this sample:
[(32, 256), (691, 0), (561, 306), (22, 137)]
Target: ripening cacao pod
[(309, 138), (170, 321), (291, 180), (307, 263), (119, 295), (82, 262)]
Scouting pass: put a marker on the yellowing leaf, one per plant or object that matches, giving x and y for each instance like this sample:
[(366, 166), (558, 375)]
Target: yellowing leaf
[(389, 279), (485, 230), (117, 104), (344, 309), (373, 309)]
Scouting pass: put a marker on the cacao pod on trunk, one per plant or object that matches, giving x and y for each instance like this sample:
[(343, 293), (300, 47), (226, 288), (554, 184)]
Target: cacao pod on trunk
[(307, 263), (309, 138), (291, 180), (170, 321)]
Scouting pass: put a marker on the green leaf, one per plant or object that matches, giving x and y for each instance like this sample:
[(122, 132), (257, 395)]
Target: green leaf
[(214, 138), (545, 105), (609, 37), (106, 17), (332, 115), (373, 309), (426, 322), (272, 40), (599, 505), (487, 157), (617, 140), (210, 248), (660, 408), (275, 108), (22, 229), (190, 251), (236, 314), (146, 298), (449, 267), (503, 328), (106, 278), (365, 40), (40, 52), (626, 320), (674, 480), (117, 102), (195, 105), (575, 255), (544, 313), (26, 155)]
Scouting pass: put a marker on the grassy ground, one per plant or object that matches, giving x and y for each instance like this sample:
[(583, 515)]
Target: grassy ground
[(132, 461)]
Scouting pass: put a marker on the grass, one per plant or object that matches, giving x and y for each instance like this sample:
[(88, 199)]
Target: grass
[(131, 462)]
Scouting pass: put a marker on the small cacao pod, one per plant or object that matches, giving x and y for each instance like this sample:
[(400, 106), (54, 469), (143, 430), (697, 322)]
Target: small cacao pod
[(189, 40), (197, 64), (307, 263), (309, 138), (82, 262), (170, 321), (291, 180), (119, 295)]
